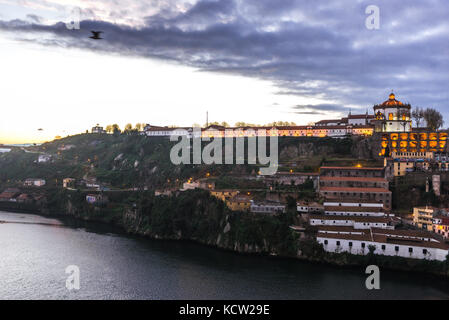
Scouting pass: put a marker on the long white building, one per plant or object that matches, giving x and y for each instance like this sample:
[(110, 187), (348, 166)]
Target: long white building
[(402, 243), (356, 222)]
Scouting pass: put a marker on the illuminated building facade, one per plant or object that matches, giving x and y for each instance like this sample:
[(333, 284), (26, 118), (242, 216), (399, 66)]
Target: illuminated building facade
[(392, 116), (412, 142), (394, 127)]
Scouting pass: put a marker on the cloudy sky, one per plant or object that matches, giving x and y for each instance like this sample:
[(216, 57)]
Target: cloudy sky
[(167, 62)]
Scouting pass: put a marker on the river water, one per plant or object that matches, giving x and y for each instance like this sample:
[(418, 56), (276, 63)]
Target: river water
[(35, 252)]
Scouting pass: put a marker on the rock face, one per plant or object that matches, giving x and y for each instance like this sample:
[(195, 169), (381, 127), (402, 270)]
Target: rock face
[(357, 147)]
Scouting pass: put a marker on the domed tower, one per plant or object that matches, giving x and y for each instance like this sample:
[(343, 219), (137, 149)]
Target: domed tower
[(392, 116)]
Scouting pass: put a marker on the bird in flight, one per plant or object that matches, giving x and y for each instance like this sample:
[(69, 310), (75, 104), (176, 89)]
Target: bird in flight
[(96, 35), (40, 129)]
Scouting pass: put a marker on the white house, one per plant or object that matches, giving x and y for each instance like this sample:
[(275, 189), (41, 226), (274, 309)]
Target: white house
[(357, 222), (34, 182), (314, 207), (390, 244)]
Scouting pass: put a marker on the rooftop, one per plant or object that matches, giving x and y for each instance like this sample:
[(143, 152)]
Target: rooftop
[(362, 179), (354, 168), (392, 102), (344, 189), (354, 209), (352, 218)]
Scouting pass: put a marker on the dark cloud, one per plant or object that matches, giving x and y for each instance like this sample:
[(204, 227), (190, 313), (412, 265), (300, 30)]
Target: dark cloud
[(309, 49), (34, 18), (322, 107), (310, 112)]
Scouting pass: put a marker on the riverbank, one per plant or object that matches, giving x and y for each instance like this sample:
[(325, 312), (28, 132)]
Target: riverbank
[(195, 216), (35, 256)]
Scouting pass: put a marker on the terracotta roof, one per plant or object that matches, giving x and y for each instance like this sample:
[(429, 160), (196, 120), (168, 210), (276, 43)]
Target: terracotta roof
[(405, 233), (7, 195), (341, 229), (344, 189), (353, 168), (361, 116), (354, 209), (351, 218), (392, 102), (345, 200), (330, 121), (23, 196), (362, 179), (240, 199), (297, 173)]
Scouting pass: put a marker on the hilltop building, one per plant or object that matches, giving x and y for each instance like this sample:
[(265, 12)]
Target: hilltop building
[(98, 129), (390, 124), (358, 184), (392, 116)]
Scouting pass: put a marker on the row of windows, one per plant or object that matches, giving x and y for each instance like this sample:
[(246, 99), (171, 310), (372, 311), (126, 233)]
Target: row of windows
[(383, 247)]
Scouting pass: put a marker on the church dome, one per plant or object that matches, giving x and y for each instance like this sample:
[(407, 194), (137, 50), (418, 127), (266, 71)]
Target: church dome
[(392, 102)]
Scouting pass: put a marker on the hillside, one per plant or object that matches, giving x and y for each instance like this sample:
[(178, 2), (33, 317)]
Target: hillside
[(134, 161)]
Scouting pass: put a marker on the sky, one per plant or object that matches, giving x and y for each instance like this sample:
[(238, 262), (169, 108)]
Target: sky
[(169, 62)]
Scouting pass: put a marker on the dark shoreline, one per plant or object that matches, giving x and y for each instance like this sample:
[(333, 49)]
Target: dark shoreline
[(102, 227)]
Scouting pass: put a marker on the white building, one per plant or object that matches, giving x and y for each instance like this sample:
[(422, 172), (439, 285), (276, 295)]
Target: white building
[(355, 222), (266, 207), (98, 129), (354, 211), (309, 207), (392, 116), (34, 182), (190, 185), (44, 158), (157, 131), (353, 203), (402, 243)]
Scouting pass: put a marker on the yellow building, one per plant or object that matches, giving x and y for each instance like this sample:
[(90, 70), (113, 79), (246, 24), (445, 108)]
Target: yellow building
[(423, 217), (404, 162), (224, 194), (239, 203)]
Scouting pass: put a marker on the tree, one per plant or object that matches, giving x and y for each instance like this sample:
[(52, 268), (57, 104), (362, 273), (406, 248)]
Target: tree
[(139, 126), (418, 115), (109, 128), (434, 119), (116, 129)]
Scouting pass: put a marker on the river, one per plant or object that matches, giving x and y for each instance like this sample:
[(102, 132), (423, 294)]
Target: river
[(35, 251)]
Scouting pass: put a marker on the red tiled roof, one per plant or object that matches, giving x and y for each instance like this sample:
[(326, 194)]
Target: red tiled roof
[(360, 116), (362, 179), (279, 173), (344, 189), (353, 168), (354, 209), (352, 218)]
